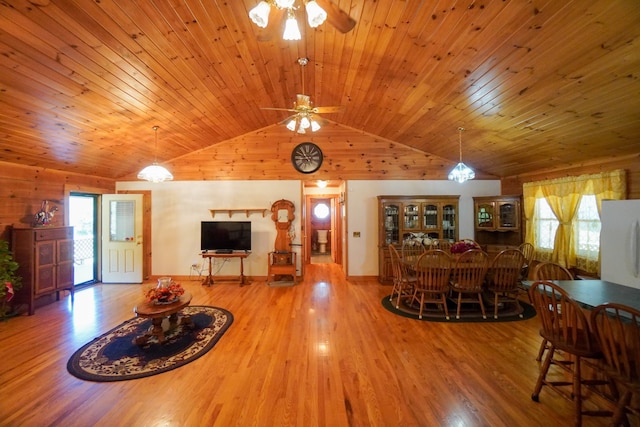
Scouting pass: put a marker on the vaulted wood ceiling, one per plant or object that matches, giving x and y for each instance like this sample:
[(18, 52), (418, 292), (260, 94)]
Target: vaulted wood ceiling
[(537, 83)]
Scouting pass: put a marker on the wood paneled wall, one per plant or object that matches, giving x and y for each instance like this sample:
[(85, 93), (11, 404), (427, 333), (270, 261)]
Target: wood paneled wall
[(513, 185), (23, 188), (349, 154)]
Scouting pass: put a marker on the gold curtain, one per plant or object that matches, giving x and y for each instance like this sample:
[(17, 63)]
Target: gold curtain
[(563, 196)]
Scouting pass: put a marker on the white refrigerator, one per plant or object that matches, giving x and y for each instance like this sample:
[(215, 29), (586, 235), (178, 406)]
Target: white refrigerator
[(620, 242)]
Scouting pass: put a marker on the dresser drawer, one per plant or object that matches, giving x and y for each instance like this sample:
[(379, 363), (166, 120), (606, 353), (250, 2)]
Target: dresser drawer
[(54, 233)]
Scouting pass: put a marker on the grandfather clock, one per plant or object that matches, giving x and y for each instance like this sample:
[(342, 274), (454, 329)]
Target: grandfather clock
[(282, 261)]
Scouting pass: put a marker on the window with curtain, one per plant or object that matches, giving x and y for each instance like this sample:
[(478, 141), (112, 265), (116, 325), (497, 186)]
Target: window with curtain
[(547, 224), (562, 217), (586, 232)]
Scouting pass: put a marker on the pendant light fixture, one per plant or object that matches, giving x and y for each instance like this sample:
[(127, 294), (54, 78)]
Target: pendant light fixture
[(461, 172), (315, 16), (155, 172)]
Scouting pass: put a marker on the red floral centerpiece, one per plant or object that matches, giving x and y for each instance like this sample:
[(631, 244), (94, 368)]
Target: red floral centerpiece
[(463, 246), (166, 292)]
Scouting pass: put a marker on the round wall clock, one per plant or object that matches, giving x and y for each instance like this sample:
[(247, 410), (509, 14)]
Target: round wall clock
[(306, 157)]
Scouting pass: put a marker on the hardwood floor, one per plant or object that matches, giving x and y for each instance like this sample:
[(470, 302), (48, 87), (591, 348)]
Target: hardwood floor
[(321, 353)]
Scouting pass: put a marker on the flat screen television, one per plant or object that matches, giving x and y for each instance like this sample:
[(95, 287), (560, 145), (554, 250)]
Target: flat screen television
[(225, 236)]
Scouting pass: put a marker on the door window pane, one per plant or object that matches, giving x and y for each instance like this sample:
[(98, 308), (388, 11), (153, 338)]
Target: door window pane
[(121, 220)]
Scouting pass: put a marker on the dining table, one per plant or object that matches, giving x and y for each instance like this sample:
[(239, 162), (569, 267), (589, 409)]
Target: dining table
[(592, 293)]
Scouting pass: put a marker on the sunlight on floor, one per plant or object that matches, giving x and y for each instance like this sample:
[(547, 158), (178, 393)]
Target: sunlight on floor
[(83, 310)]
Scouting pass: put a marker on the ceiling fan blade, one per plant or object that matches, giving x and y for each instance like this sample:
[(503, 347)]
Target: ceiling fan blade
[(334, 109), (319, 119), (336, 16), (278, 109)]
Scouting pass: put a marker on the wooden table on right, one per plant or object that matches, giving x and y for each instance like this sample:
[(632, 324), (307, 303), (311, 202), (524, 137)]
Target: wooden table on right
[(591, 293)]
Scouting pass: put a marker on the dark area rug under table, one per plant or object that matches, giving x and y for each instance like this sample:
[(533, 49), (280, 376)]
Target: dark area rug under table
[(509, 312), (115, 357)]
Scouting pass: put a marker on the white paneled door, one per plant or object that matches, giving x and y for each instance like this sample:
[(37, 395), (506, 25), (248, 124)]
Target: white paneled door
[(122, 238)]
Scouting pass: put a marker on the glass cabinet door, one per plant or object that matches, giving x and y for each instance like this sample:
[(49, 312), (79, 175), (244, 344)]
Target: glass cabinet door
[(411, 217), (484, 215), (429, 217), (392, 224), (449, 222), (508, 215)]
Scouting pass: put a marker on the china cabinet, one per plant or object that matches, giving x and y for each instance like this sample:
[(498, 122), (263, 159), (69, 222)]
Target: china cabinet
[(45, 256), (399, 217), (497, 222)]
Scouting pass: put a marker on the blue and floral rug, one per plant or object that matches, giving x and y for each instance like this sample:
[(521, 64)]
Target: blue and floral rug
[(114, 356)]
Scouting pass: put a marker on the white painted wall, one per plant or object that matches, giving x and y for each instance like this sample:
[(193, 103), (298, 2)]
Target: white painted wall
[(362, 213), (178, 207)]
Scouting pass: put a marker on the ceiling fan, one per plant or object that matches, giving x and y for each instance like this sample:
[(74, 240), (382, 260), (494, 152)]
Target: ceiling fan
[(317, 12), (306, 115)]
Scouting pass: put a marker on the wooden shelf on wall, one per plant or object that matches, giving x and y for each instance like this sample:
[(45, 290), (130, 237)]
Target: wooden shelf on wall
[(247, 212)]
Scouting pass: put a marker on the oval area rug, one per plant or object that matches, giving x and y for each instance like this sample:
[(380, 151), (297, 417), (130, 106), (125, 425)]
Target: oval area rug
[(115, 357), (433, 313)]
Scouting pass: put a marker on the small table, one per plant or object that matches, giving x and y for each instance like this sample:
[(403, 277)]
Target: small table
[(157, 313), (208, 281)]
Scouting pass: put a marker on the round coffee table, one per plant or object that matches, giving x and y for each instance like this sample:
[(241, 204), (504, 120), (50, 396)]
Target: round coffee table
[(158, 312)]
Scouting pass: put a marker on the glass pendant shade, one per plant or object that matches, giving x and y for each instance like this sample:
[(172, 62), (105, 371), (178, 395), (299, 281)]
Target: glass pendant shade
[(305, 123), (461, 172), (260, 14), (291, 30), (315, 14), (155, 173), (292, 125), (314, 126)]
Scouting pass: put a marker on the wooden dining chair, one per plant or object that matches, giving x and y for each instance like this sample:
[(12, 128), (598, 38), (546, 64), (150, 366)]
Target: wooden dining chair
[(503, 279), (403, 283), (468, 278), (412, 249), (445, 245), (618, 330), (528, 251), (571, 334), (433, 270), (549, 271)]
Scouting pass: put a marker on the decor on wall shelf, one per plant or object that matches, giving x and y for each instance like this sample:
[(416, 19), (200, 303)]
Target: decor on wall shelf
[(155, 172), (316, 15), (461, 172), (232, 211)]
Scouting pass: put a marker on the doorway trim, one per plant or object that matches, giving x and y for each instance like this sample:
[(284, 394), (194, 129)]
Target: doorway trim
[(336, 226)]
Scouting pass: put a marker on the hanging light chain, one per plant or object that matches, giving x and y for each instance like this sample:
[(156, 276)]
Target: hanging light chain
[(461, 129)]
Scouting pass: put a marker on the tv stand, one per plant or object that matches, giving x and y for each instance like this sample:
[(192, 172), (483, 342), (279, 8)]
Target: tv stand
[(208, 281)]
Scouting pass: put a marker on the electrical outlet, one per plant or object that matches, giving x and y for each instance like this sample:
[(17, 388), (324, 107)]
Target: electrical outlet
[(356, 234)]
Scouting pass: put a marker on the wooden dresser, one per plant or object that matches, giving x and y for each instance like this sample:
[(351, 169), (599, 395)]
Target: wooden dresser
[(45, 256)]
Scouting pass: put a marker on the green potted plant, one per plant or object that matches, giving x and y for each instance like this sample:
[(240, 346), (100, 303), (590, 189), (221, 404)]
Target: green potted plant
[(10, 282)]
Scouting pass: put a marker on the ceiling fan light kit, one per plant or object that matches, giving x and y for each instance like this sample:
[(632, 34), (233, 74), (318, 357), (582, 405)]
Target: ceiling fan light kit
[(306, 116), (315, 16)]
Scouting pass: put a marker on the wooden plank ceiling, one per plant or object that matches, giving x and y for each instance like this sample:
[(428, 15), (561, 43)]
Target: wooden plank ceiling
[(538, 84)]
